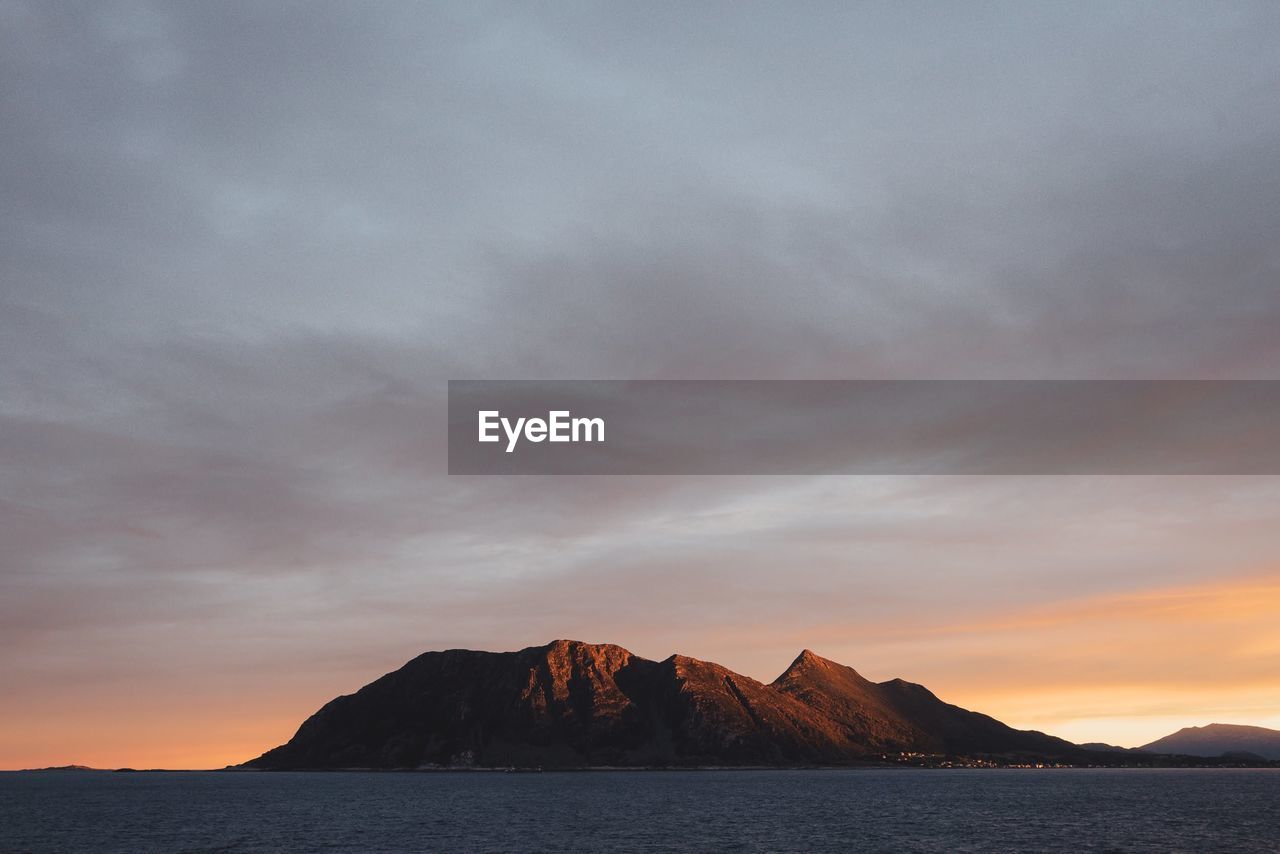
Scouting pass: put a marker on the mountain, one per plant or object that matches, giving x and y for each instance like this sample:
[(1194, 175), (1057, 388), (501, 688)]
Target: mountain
[(1103, 747), (1219, 739), (573, 704), (900, 715)]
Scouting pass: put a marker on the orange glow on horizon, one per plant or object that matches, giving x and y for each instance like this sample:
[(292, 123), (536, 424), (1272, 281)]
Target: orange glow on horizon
[(1134, 663), (1125, 668)]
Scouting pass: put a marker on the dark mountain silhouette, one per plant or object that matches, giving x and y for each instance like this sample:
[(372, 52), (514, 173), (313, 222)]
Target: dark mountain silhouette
[(1219, 739), (572, 704), (1103, 747)]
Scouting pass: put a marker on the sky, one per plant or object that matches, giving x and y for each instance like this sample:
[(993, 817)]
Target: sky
[(244, 246)]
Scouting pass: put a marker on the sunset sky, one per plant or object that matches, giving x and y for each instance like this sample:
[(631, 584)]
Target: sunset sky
[(245, 245)]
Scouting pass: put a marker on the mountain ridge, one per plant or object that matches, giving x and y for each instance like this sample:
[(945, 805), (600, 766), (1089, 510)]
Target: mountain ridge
[(1220, 740), (570, 704)]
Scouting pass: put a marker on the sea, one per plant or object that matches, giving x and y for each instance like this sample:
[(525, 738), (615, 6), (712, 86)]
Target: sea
[(943, 810)]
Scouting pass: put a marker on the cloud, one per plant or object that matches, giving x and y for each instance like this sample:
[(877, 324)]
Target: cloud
[(245, 246)]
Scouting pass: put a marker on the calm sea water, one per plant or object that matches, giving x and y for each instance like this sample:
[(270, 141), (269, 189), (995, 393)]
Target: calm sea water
[(898, 809)]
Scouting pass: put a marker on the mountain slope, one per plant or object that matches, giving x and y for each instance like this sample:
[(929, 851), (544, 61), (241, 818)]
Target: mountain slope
[(1217, 739), (857, 704), (900, 715), (558, 704), (572, 704)]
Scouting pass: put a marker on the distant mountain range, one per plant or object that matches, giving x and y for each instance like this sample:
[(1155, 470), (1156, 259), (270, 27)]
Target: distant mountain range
[(1219, 740), (573, 704)]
